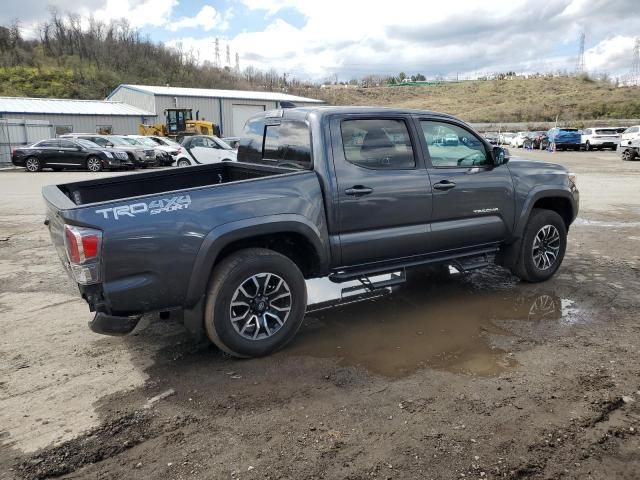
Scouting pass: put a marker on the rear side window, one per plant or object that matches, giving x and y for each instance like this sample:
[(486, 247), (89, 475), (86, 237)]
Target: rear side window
[(67, 144), (47, 144), (377, 144), (606, 131), (285, 144)]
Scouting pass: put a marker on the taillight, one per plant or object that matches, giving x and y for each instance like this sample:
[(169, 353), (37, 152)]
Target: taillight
[(83, 250)]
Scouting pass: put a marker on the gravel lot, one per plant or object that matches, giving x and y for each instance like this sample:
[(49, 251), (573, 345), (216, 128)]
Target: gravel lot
[(475, 376)]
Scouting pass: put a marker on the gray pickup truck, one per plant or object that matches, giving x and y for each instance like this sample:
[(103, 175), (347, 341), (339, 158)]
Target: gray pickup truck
[(344, 192)]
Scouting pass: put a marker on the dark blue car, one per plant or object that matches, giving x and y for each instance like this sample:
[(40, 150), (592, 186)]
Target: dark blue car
[(564, 138)]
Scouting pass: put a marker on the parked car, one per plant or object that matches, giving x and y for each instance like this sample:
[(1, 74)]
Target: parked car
[(165, 155), (536, 140), (231, 243), (201, 149), (518, 140), (233, 142), (139, 155), (595, 138), (506, 137), (564, 138), (492, 138), (60, 153), (630, 134)]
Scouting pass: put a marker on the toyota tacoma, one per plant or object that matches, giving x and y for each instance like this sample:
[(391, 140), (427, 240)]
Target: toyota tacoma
[(347, 193)]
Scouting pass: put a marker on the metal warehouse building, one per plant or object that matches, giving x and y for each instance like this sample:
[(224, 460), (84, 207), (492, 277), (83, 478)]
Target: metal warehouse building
[(67, 116), (229, 109), (26, 120)]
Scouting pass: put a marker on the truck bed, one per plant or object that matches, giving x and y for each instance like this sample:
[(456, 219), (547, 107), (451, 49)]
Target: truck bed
[(150, 183)]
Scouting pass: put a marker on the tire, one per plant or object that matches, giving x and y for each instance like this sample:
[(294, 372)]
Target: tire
[(184, 163), (33, 164), (232, 282), (531, 267), (94, 164), (628, 155), (587, 146)]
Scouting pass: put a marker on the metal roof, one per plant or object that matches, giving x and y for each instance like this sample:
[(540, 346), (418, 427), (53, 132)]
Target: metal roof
[(58, 106), (213, 93)]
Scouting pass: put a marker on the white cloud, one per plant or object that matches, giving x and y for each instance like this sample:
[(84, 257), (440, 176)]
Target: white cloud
[(139, 13), (356, 37), (207, 19)]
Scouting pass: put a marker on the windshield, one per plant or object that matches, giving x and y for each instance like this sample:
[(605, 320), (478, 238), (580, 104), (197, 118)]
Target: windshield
[(606, 131), (165, 141), (87, 143), (145, 141), (568, 129), (131, 141), (118, 141)]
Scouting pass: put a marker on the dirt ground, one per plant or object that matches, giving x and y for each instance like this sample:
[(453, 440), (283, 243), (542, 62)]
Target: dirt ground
[(447, 377)]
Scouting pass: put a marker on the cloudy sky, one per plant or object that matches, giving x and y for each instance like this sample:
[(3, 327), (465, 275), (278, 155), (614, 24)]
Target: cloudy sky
[(316, 39)]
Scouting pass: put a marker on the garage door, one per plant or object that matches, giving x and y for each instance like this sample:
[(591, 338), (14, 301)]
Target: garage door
[(240, 115)]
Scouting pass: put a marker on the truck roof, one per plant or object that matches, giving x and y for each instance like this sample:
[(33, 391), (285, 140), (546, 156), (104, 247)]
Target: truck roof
[(301, 113)]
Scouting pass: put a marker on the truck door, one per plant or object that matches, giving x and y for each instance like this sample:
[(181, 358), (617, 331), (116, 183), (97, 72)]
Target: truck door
[(384, 195), (473, 200)]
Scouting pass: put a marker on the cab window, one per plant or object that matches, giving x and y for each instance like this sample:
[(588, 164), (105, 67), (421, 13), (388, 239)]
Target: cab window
[(453, 146), (285, 144), (377, 144)]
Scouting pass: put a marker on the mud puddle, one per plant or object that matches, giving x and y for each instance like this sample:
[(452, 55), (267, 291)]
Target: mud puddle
[(446, 323)]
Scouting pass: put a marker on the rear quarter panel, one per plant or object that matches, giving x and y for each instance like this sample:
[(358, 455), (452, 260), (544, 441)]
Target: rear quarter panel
[(149, 254)]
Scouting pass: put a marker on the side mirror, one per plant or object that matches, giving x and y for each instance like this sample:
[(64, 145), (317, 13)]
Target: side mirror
[(500, 155), (109, 144)]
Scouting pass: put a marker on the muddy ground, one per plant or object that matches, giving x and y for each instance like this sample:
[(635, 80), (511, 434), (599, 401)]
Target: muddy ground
[(447, 377)]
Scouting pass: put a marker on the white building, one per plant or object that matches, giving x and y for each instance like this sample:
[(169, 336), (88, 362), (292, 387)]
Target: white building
[(229, 109)]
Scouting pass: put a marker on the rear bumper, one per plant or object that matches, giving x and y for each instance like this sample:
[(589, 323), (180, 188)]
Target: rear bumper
[(113, 325)]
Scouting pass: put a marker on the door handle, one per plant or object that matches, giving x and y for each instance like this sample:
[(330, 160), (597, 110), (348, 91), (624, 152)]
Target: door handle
[(358, 190), (444, 185)]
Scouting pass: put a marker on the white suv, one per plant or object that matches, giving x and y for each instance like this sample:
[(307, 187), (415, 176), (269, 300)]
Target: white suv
[(595, 138), (630, 134), (518, 140)]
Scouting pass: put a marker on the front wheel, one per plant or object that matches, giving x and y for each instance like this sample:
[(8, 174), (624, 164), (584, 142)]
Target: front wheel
[(94, 164), (184, 163), (628, 155), (543, 246), (256, 301)]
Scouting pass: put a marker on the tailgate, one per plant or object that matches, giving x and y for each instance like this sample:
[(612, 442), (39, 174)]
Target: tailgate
[(56, 203)]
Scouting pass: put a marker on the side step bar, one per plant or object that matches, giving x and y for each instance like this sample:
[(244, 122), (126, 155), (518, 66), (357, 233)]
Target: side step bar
[(366, 283), (462, 261)]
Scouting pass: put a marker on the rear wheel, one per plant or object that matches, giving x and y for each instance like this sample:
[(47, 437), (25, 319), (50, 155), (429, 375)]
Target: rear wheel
[(94, 164), (33, 164), (543, 246), (256, 301)]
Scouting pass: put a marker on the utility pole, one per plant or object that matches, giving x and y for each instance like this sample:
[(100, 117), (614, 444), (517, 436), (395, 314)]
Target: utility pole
[(216, 61), (228, 55), (580, 65), (635, 67), (237, 63)]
